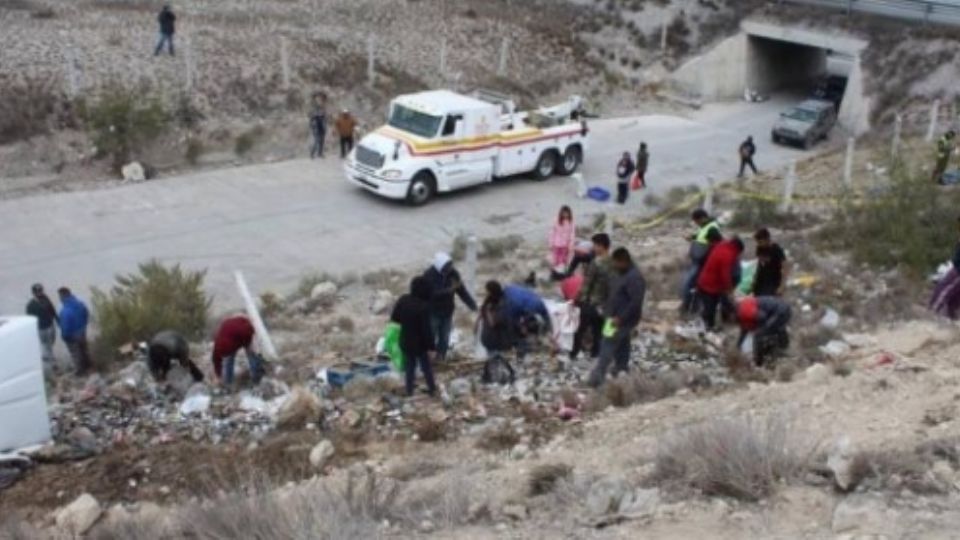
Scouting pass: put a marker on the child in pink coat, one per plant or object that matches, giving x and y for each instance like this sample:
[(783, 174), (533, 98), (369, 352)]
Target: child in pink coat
[(562, 237)]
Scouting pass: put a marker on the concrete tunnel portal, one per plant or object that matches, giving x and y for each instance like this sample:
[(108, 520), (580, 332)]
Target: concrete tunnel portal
[(770, 58)]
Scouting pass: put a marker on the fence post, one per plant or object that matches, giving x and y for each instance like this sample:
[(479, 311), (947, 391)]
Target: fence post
[(504, 52), (897, 127), (789, 183), (470, 272), (934, 116), (285, 62), (663, 35), (73, 79), (371, 62), (848, 163), (708, 196), (188, 60)]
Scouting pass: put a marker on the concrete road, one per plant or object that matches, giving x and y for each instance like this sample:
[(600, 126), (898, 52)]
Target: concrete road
[(277, 222)]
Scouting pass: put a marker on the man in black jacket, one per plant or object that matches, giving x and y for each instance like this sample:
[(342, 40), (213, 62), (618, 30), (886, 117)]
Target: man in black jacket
[(445, 282), (624, 310), (163, 349), (167, 21), (412, 313), (747, 150), (41, 307)]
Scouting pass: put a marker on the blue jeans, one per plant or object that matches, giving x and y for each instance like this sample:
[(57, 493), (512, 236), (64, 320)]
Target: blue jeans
[(688, 289), (254, 361), (615, 353), (441, 326), (319, 138), (164, 38)]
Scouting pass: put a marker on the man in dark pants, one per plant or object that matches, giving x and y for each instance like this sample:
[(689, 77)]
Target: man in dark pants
[(708, 233), (643, 161), (625, 170), (773, 268), (445, 282), (346, 126), (594, 293), (624, 310), (163, 349), (412, 313), (318, 125), (719, 277), (41, 307), (747, 151), (767, 317), (74, 318), (167, 21)]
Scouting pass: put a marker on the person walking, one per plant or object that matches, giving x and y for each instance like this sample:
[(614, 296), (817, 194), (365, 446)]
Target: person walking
[(346, 126), (594, 293), (41, 307), (719, 277), (412, 313), (234, 334), (445, 282), (747, 151), (497, 335), (643, 161), (699, 248), (318, 126), (946, 295), (625, 169), (167, 21), (562, 237), (623, 311), (945, 146), (165, 347), (74, 318), (766, 317), (773, 268)]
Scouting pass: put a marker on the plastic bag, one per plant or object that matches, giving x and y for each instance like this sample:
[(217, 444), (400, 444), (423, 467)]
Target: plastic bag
[(746, 347), (635, 182), (391, 346), (748, 271), (564, 320)]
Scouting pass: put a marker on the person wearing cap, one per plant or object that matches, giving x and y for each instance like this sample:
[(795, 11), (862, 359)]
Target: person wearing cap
[(445, 282), (74, 318), (163, 349), (346, 126), (767, 318), (41, 307)]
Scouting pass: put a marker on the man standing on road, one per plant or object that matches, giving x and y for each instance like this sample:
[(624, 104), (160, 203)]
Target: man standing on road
[(944, 151), (593, 295), (625, 170), (167, 21), (747, 151), (624, 310), (773, 268), (163, 349), (346, 127), (74, 318), (445, 282), (318, 125), (699, 248), (643, 160), (41, 307), (235, 333)]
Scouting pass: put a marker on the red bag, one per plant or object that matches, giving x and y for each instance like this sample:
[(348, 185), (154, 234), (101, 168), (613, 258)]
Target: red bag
[(636, 182)]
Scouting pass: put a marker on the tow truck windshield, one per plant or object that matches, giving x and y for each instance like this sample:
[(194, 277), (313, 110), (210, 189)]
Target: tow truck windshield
[(416, 122)]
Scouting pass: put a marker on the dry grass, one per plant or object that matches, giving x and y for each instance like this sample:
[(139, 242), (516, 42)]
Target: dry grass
[(628, 390), (429, 430), (28, 108), (744, 458), (545, 478), (499, 439)]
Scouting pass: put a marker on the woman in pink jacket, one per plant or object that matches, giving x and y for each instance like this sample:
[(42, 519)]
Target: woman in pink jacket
[(562, 237)]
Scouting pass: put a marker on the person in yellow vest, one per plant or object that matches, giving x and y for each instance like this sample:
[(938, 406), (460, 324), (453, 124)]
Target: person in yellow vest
[(699, 247), (944, 151)]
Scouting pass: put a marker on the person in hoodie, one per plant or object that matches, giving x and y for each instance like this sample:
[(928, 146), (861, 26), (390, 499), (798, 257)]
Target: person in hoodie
[(412, 313), (445, 282), (623, 311), (719, 277), (74, 318), (167, 21), (41, 307)]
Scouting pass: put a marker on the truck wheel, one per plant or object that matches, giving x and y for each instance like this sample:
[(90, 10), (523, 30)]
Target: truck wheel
[(546, 165), (571, 161), (422, 188)]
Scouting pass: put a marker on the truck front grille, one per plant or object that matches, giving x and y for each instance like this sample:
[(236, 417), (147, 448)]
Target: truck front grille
[(369, 158)]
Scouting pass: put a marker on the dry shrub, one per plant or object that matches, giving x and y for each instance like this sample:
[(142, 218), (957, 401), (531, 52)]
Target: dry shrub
[(544, 478), (417, 469), (27, 109), (123, 121), (497, 248), (628, 390), (12, 527), (741, 457), (428, 430), (445, 504), (499, 439), (899, 469)]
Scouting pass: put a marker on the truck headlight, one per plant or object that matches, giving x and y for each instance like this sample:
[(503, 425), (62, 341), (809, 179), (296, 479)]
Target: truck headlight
[(392, 174)]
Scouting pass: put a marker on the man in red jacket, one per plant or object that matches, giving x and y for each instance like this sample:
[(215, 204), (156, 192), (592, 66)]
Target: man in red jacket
[(235, 333), (719, 276)]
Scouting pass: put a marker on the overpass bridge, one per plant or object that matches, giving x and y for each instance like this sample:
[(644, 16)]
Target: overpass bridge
[(928, 11)]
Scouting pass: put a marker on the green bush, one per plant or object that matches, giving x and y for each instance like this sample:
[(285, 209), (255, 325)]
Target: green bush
[(142, 304), (247, 140), (124, 121)]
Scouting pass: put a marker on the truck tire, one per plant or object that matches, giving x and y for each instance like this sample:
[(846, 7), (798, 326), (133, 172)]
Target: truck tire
[(572, 158), (546, 165), (422, 189)]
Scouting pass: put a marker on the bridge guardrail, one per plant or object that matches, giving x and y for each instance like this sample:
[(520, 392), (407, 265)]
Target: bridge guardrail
[(928, 11)]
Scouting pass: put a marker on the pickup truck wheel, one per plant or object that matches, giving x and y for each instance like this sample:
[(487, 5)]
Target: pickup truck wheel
[(422, 189), (546, 165), (571, 161)]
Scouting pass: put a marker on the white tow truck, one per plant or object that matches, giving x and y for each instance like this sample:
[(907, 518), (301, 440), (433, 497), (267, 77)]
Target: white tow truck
[(441, 141)]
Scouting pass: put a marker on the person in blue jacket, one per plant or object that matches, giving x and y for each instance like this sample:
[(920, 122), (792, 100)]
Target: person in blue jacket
[(74, 318), (528, 313)]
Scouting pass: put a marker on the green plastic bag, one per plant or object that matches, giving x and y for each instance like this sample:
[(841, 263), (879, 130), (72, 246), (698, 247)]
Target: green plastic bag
[(391, 346), (748, 273), (609, 329)]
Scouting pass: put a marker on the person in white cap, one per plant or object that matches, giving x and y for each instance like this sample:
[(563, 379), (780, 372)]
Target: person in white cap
[(445, 282)]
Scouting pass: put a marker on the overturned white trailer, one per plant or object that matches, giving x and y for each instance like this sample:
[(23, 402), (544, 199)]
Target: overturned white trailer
[(24, 420)]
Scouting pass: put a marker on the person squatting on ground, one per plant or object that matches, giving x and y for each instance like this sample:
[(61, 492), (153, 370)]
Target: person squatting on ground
[(946, 295), (235, 333), (165, 347), (699, 248), (41, 307), (74, 318), (719, 278), (167, 21), (528, 315), (944, 151), (625, 170), (318, 125), (497, 335), (417, 342), (773, 268), (624, 310), (747, 151), (594, 293), (562, 237), (767, 318), (445, 282), (346, 126)]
